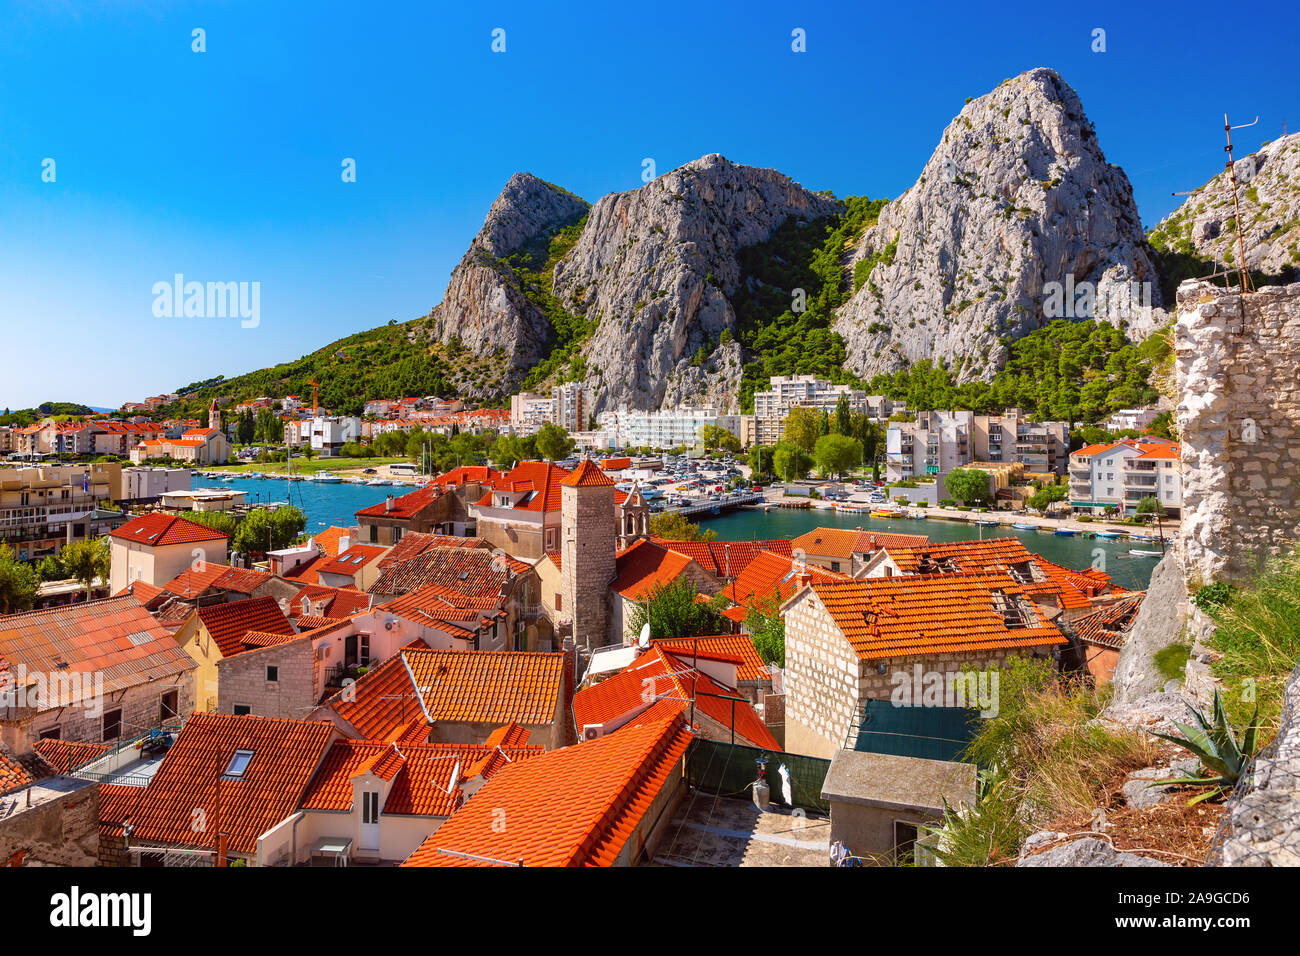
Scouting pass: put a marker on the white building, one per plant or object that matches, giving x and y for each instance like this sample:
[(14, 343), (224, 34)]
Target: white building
[(329, 434), (529, 411), (669, 427), (1120, 474), (149, 484), (1136, 419)]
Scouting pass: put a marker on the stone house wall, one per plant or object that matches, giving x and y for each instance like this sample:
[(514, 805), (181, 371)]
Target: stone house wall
[(242, 680)]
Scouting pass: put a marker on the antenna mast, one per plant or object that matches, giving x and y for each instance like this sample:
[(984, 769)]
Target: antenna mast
[(1242, 272)]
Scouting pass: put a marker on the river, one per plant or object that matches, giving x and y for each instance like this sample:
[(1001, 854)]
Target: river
[(336, 505)]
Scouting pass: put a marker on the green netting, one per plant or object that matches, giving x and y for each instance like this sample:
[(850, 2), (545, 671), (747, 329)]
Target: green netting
[(933, 733), (728, 770)]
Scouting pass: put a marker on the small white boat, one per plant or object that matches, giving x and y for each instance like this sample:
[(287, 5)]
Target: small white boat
[(378, 482), (327, 478), (1138, 553), (227, 477)]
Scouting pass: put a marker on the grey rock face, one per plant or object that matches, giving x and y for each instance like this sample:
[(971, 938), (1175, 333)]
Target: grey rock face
[(483, 307), (1088, 851), (655, 267), (1017, 195), (1268, 193), (1158, 624)]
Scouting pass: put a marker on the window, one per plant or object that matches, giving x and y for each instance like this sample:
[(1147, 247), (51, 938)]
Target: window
[(112, 724), (559, 601), (835, 566), (170, 706), (374, 534), (242, 710), (370, 806), (273, 674), (239, 762), (364, 658), (51, 733)]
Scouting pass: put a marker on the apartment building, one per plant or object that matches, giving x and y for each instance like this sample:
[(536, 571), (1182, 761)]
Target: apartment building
[(1137, 419), (789, 391), (939, 441), (1120, 474), (671, 427), (45, 507)]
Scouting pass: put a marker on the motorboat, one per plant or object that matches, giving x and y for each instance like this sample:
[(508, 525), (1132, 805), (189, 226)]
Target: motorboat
[(1064, 532), (1139, 553), (1019, 526)]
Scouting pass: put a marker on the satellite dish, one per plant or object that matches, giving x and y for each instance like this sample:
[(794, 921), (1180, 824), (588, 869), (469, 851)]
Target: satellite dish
[(644, 640)]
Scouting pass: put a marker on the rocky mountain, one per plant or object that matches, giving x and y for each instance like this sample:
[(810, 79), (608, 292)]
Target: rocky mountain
[(485, 309), (1200, 236), (655, 267), (1017, 195)]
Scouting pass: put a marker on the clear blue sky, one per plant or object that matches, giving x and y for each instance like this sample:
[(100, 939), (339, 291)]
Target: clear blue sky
[(225, 165)]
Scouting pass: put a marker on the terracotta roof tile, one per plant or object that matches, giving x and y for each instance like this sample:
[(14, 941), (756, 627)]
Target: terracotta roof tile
[(64, 756), (471, 571), (115, 637), (587, 475), (644, 567), (160, 529), (915, 615), (734, 647), (285, 756), (406, 506), (1109, 624), (664, 673), (725, 559), (492, 687), (770, 579), (228, 623), (577, 806), (352, 560), (417, 542)]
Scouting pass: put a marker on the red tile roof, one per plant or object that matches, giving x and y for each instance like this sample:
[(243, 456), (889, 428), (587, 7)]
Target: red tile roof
[(492, 687), (770, 579), (405, 507), (160, 529), (541, 478), (64, 756), (845, 542), (725, 559), (426, 778), (221, 577), (915, 615), (587, 475), (228, 623), (644, 567), (468, 474), (1040, 577), (116, 638), (577, 806), (471, 571), (352, 560), (1108, 626), (417, 542), (662, 673), (328, 601), (13, 775), (285, 756), (382, 704), (730, 647)]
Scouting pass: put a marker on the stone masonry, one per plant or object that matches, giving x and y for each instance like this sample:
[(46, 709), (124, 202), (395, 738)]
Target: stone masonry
[(243, 680), (1238, 373), (587, 559)]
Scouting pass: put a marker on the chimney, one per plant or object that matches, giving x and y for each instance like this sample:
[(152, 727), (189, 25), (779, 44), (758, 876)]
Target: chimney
[(388, 503), (345, 542)]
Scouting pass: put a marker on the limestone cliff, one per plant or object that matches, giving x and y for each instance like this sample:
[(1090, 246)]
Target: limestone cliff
[(654, 268), (1018, 194), (484, 308), (1200, 236)]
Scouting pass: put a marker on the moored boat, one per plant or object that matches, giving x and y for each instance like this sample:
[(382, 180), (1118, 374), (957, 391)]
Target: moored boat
[(1020, 526), (1139, 553), (1064, 532)]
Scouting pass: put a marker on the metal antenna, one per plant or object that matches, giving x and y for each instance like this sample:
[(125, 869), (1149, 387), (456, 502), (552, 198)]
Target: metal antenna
[(1242, 271)]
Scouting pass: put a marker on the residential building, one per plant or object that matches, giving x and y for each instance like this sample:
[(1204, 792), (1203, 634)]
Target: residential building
[(846, 550), (155, 548), (529, 411), (671, 427), (939, 441), (89, 672), (789, 391), (844, 638), (245, 777), (213, 632), (42, 508), (1135, 419), (1120, 474), (430, 509), (1102, 632), (146, 484), (328, 434), (570, 406), (200, 446)]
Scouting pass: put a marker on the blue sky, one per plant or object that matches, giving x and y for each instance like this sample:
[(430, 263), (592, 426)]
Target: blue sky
[(225, 165)]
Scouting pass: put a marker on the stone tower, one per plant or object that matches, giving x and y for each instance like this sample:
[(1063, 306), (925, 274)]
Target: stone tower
[(633, 519), (214, 418), (588, 529)]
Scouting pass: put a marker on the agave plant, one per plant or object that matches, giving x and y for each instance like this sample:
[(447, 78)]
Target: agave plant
[(1215, 743)]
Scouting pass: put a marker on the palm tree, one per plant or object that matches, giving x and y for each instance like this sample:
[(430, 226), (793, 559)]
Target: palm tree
[(88, 561)]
